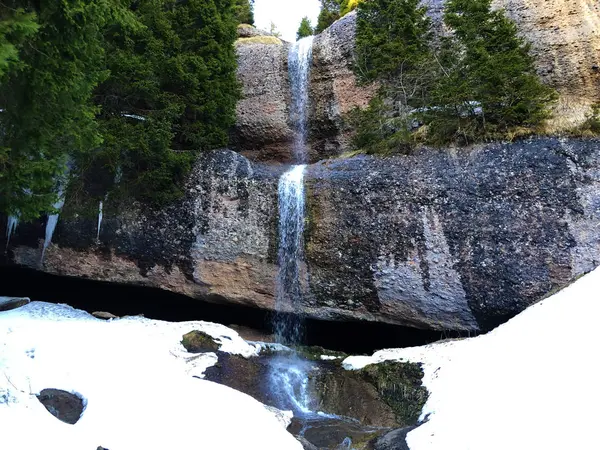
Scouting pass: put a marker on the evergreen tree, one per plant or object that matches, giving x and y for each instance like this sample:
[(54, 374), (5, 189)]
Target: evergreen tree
[(244, 11), (172, 92), (16, 26), (305, 29), (330, 12), (488, 82), (48, 113), (392, 36)]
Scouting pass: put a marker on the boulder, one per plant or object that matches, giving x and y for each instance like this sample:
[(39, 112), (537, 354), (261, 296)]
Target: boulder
[(199, 342), (8, 303), (65, 406)]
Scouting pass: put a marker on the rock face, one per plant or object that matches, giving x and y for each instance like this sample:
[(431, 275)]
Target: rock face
[(262, 131), (565, 39), (334, 89), (452, 241), (217, 243), (437, 240)]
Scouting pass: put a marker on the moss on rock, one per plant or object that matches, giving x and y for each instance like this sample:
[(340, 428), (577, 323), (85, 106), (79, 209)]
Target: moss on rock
[(199, 342), (400, 386)]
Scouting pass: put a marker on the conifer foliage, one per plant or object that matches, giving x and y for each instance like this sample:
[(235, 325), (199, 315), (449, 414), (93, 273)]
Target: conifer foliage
[(305, 29), (124, 90), (477, 82)]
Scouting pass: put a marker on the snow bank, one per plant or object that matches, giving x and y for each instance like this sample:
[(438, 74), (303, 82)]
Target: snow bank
[(137, 381), (532, 383)]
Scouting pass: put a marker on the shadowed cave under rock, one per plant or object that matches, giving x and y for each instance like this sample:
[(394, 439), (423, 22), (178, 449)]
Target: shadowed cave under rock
[(121, 300)]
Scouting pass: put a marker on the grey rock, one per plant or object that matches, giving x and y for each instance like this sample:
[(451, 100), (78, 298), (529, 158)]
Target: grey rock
[(394, 440), (8, 303), (65, 406), (262, 131), (104, 315), (442, 239)]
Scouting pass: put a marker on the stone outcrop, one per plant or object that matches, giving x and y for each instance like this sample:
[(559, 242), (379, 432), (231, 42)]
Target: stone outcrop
[(438, 240), (461, 241), (218, 243), (262, 131), (334, 89), (565, 40)]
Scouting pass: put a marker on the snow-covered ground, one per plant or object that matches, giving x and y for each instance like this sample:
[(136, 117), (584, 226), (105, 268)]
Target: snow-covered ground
[(140, 386), (533, 383)]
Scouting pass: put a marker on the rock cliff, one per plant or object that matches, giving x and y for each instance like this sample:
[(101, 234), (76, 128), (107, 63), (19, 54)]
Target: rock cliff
[(437, 240), (565, 39)]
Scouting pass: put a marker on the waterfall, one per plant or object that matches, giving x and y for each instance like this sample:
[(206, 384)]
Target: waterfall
[(299, 61), (288, 376), (291, 253), (100, 206), (11, 227)]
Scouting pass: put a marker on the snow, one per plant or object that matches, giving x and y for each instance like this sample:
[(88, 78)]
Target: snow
[(139, 384), (329, 357), (532, 383)]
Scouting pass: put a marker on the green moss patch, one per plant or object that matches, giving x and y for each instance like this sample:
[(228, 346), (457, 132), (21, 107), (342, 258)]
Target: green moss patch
[(199, 342), (400, 386)]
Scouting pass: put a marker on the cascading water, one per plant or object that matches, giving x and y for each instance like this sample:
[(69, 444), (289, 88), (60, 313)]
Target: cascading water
[(299, 61), (289, 374), (288, 328)]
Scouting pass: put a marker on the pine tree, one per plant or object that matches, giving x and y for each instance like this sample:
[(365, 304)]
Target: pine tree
[(330, 12), (172, 92), (16, 26), (305, 29), (488, 82), (392, 36), (48, 112), (244, 11)]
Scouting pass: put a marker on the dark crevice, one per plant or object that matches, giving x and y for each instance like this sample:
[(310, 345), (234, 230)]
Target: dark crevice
[(121, 300)]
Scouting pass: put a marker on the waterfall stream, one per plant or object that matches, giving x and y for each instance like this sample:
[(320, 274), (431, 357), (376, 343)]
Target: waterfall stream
[(288, 328), (289, 381), (299, 61)]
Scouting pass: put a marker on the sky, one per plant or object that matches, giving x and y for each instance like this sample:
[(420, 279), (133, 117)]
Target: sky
[(285, 14)]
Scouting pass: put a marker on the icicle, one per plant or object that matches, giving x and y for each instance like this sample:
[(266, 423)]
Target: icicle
[(52, 221), (99, 220), (11, 227)]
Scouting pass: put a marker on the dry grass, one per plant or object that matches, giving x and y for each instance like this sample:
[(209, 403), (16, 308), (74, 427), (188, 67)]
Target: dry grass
[(268, 40)]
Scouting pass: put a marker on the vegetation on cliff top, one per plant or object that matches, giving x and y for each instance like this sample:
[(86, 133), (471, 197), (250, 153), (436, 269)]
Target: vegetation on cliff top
[(332, 10), (118, 90), (476, 83), (305, 29)]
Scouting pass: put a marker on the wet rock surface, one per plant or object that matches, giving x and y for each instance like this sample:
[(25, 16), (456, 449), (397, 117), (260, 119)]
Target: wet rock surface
[(355, 407), (394, 440), (65, 406), (8, 303), (442, 239), (199, 342), (452, 240)]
